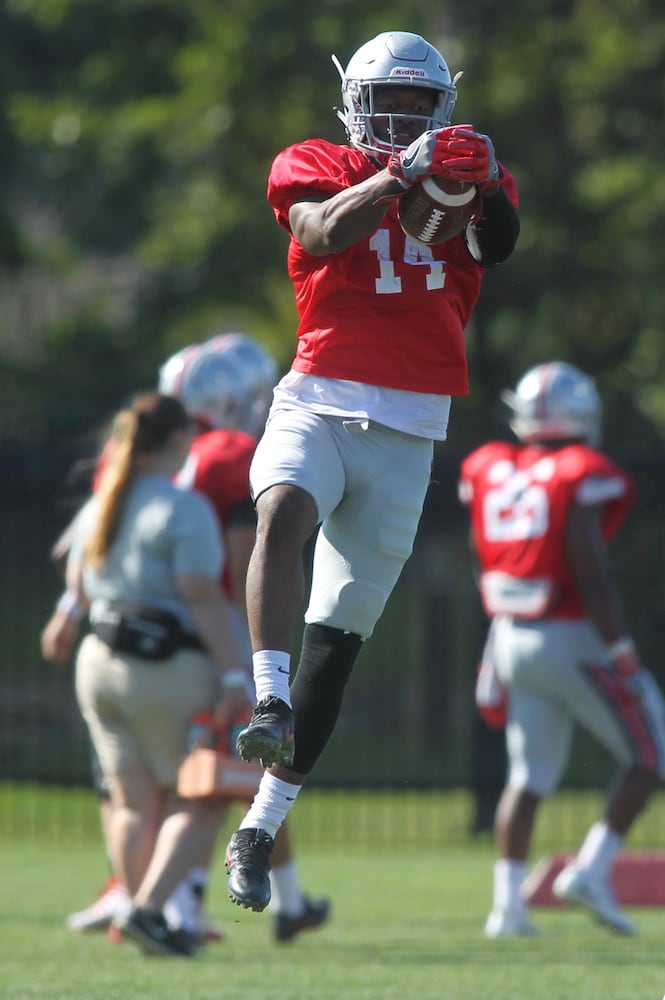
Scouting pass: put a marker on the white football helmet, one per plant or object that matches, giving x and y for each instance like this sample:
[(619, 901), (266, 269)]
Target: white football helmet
[(173, 372), (257, 370), (554, 401), (225, 382), (392, 58)]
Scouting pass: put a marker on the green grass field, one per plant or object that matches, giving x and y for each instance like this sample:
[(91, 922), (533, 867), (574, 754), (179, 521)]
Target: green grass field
[(406, 925)]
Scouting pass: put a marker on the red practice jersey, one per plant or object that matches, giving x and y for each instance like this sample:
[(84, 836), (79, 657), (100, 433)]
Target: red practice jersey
[(519, 498), (218, 466), (359, 308)]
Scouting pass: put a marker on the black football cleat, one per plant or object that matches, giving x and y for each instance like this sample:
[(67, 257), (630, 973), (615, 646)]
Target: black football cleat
[(248, 865), (268, 736), (316, 912), (151, 932)]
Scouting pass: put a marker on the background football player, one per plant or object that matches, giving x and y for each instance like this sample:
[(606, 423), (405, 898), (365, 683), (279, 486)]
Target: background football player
[(542, 513)]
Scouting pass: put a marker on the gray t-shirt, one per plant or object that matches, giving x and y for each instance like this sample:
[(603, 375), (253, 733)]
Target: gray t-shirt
[(163, 531)]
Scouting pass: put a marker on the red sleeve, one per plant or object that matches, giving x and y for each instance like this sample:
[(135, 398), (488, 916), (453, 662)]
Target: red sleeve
[(220, 462), (474, 465), (315, 167), (598, 480), (509, 185)]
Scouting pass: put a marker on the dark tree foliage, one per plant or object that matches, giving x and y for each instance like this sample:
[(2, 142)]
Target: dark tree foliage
[(137, 137)]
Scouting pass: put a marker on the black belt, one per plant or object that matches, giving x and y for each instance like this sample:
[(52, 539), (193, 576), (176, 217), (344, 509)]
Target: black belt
[(143, 630)]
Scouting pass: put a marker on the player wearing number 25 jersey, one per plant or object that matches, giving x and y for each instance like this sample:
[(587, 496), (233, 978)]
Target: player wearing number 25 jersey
[(542, 514), (349, 439), (521, 497)]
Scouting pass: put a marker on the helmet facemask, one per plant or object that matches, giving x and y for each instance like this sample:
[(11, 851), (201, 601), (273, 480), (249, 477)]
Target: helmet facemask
[(397, 59)]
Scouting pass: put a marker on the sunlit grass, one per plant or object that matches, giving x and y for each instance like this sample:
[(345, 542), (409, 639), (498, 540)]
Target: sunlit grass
[(406, 923)]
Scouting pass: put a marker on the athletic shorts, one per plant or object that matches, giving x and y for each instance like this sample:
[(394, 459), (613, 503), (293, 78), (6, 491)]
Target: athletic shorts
[(369, 484), (557, 673)]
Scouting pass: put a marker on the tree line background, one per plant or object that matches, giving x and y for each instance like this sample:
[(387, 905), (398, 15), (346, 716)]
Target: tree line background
[(136, 140)]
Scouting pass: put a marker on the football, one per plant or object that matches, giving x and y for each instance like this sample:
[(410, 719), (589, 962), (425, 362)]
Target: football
[(437, 209)]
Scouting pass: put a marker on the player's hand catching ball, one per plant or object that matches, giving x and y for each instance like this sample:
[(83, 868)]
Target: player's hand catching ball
[(421, 159), (455, 152), (635, 682), (469, 156)]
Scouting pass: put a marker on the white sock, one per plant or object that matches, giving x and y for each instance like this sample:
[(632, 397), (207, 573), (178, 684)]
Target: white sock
[(182, 907), (508, 878), (271, 804), (286, 895), (272, 669), (599, 850)]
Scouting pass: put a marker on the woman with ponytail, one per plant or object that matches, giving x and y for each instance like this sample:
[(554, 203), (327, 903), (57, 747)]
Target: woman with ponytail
[(145, 563)]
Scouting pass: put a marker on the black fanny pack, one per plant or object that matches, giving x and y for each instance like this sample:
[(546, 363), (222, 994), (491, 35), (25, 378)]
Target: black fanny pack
[(143, 631)]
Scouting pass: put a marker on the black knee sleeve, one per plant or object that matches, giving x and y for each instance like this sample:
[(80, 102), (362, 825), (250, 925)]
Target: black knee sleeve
[(327, 657)]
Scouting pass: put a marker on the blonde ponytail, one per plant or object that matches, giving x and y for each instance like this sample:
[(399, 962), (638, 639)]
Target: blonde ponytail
[(143, 428), (114, 486)]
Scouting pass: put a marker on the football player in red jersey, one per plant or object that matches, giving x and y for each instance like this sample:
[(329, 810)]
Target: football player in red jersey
[(226, 386), (349, 441), (543, 511)]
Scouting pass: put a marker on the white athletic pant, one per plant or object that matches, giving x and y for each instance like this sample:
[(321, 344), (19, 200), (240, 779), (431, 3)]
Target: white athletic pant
[(369, 484), (557, 673)]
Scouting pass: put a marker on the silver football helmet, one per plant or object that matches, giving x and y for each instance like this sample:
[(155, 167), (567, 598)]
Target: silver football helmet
[(173, 373), (257, 372), (225, 382), (209, 387), (554, 401), (392, 58)]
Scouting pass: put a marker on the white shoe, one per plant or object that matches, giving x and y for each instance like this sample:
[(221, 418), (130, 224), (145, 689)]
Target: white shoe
[(573, 885), (510, 923), (112, 902)]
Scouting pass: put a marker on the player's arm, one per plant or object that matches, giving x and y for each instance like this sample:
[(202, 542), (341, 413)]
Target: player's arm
[(492, 237), (60, 633), (239, 537), (586, 552), (60, 548), (212, 618), (589, 564), (475, 557), (324, 225)]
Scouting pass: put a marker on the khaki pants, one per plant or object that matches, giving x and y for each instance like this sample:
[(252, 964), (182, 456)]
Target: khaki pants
[(138, 711)]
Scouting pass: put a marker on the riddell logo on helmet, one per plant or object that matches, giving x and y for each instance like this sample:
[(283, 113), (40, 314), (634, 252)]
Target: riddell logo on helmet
[(405, 71)]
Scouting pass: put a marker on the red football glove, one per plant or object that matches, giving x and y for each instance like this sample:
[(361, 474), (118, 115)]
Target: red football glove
[(455, 151), (630, 672), (490, 694), (425, 156), (469, 157)]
